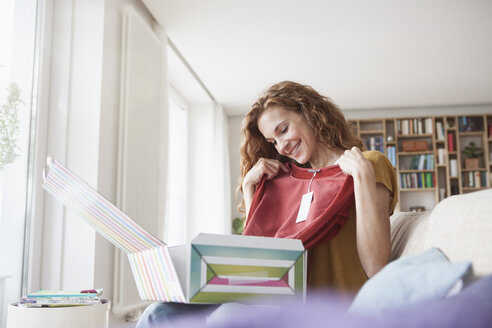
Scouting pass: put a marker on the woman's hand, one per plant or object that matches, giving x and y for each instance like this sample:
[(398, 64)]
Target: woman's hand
[(353, 163), (264, 166)]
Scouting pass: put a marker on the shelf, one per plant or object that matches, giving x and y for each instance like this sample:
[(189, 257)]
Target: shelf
[(473, 188), (417, 171), (432, 136), (371, 132), (417, 189), (471, 133), (424, 135), (410, 153)]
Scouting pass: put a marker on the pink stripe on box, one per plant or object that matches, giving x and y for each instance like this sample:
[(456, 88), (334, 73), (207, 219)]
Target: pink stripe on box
[(232, 282)]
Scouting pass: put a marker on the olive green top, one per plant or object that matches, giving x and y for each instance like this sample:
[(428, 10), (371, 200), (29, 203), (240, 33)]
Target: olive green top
[(335, 265)]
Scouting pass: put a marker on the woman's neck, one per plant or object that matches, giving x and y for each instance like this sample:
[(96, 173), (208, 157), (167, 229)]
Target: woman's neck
[(326, 157)]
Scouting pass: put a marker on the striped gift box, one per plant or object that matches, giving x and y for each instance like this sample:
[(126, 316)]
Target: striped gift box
[(221, 268), (211, 269)]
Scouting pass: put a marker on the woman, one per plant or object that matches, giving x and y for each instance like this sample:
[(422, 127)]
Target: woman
[(294, 123), (291, 122)]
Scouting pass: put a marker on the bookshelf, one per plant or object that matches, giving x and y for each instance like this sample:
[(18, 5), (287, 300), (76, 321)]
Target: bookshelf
[(427, 154)]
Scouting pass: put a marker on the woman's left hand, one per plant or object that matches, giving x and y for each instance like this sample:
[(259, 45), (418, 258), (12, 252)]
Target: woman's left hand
[(353, 163)]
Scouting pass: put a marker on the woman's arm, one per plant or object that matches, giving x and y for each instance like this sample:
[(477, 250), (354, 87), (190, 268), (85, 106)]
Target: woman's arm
[(372, 206)]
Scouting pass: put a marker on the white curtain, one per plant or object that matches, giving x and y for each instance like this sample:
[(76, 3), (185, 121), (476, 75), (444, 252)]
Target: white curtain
[(207, 174)]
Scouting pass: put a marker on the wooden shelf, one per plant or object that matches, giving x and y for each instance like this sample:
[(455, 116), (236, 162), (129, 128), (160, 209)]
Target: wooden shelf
[(441, 178), (417, 171), (371, 132), (473, 188), (410, 153), (471, 133), (426, 135), (417, 189)]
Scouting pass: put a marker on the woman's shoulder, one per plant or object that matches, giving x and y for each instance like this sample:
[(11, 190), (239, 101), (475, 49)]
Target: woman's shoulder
[(377, 158)]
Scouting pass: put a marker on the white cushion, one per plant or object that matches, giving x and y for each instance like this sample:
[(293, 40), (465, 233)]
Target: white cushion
[(461, 226), (408, 233)]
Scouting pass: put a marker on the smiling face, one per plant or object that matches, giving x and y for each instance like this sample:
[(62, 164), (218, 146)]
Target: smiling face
[(290, 133)]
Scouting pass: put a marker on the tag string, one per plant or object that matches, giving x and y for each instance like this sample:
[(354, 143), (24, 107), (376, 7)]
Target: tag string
[(310, 182)]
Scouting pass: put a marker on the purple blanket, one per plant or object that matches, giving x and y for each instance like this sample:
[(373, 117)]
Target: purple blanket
[(471, 308)]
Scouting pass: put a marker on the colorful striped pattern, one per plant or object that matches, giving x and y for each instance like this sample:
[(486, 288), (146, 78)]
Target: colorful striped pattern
[(103, 216), (228, 273), (154, 279), (149, 258)]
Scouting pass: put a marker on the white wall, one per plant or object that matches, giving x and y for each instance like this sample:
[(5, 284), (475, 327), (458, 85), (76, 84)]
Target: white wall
[(419, 111), (235, 124)]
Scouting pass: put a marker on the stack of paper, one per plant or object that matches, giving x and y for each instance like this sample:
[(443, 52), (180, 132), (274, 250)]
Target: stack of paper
[(50, 298)]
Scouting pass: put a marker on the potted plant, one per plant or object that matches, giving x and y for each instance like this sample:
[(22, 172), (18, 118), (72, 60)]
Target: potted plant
[(472, 154), (9, 126), (237, 226)]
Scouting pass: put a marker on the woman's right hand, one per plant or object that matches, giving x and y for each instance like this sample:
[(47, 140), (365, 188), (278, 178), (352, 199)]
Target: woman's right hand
[(264, 166), (267, 166)]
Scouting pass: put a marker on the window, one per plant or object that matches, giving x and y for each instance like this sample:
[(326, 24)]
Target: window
[(176, 206), (17, 58)]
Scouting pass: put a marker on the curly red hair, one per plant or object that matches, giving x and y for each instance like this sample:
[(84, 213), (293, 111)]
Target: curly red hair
[(323, 116)]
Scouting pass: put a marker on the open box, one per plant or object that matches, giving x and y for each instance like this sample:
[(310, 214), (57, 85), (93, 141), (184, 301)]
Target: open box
[(210, 269)]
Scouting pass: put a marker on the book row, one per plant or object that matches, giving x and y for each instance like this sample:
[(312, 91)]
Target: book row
[(474, 179), (414, 126), (417, 180), (391, 154), (422, 162), (374, 143), (470, 124)]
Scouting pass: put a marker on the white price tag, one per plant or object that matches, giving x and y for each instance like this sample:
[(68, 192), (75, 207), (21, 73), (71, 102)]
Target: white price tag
[(304, 208)]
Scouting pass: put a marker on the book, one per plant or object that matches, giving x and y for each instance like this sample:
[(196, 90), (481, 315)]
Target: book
[(440, 131), (421, 164), (453, 168), (478, 179), (450, 142), (428, 125), (441, 152), (405, 127)]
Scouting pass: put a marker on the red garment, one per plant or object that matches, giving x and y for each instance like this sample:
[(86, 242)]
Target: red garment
[(276, 203)]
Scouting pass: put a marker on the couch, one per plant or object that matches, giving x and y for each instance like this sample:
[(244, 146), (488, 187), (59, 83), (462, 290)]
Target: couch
[(460, 226)]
